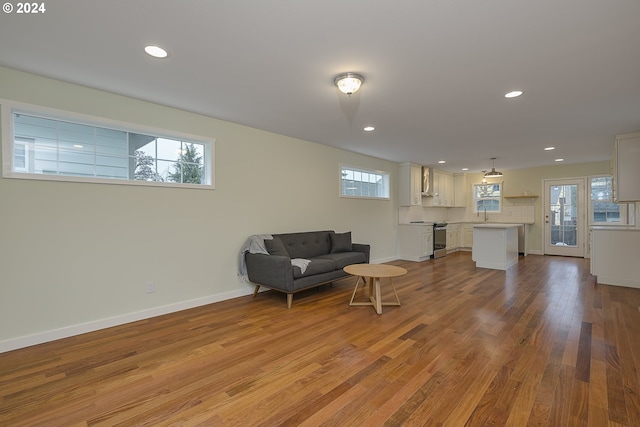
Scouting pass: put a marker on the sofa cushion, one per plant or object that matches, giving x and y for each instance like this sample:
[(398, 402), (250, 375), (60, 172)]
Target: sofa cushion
[(306, 244), (316, 266), (343, 259), (340, 242), (275, 247)]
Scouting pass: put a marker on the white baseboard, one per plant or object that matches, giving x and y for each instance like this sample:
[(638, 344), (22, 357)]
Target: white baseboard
[(95, 325), (383, 260)]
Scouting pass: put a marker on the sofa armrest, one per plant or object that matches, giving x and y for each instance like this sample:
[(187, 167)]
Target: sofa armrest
[(359, 247), (272, 271)]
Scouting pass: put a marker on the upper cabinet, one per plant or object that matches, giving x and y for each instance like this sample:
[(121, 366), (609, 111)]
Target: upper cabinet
[(443, 190), (448, 190), (410, 182), (460, 195), (624, 168)]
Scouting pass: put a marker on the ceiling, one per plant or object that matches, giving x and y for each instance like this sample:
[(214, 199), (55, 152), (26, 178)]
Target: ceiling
[(435, 70)]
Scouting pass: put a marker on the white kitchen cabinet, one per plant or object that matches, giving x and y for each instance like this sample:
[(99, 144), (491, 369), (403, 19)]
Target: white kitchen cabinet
[(460, 190), (449, 190), (443, 190), (410, 182), (624, 168), (415, 242), (453, 237), (614, 255), (495, 245), (467, 235)]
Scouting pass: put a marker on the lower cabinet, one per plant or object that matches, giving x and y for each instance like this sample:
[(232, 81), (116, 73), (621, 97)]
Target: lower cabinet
[(415, 242), (467, 236), (453, 237)]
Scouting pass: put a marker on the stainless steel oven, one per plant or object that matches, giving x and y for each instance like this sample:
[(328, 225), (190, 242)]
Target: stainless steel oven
[(439, 239)]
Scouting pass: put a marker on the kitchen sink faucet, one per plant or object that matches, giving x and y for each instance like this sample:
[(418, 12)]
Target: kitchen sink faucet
[(485, 212)]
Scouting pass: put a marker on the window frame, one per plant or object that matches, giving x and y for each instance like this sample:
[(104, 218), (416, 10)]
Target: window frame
[(386, 176), (627, 210), (9, 107), (498, 199)]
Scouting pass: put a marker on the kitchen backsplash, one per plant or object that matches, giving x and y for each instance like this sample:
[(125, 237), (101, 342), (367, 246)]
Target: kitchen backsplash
[(513, 214)]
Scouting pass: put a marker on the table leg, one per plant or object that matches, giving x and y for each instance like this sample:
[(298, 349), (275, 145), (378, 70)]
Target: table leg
[(356, 290), (375, 293), (378, 301)]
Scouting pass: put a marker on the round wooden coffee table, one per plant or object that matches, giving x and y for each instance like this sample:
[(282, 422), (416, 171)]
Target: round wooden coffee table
[(374, 272)]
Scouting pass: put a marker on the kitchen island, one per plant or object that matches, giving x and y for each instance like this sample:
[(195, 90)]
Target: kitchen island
[(495, 245), (614, 255)]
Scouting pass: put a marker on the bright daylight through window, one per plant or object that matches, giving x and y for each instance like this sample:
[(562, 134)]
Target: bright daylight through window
[(44, 146), (487, 196), (364, 183), (603, 210)]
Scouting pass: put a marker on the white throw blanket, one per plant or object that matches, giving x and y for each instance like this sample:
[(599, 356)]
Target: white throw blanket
[(255, 245), (301, 262)]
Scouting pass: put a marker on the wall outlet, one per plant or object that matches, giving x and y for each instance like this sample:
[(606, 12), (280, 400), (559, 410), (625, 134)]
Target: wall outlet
[(150, 287)]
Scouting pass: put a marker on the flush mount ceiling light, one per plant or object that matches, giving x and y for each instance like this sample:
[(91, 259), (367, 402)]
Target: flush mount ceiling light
[(369, 129), (156, 51), (493, 173), (348, 83), (513, 94)]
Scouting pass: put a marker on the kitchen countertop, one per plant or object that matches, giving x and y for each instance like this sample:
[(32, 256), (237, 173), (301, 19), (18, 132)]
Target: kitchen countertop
[(614, 228), (470, 223), (497, 225)]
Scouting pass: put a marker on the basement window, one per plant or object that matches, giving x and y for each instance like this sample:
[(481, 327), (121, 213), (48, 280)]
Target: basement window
[(54, 145), (356, 182)]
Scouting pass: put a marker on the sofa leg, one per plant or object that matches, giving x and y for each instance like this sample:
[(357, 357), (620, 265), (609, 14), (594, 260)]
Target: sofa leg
[(255, 291), (289, 300)]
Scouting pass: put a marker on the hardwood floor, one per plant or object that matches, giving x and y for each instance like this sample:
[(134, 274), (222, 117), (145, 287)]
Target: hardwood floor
[(539, 345)]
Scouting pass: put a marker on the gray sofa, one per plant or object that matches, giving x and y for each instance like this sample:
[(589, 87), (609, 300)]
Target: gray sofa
[(327, 251)]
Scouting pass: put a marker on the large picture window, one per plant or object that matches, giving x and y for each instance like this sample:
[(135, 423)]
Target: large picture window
[(54, 146), (364, 183)]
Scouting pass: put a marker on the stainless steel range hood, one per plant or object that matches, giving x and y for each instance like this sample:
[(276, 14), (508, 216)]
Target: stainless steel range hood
[(427, 181)]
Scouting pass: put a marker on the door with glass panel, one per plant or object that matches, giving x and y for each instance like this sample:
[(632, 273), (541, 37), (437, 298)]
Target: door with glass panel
[(564, 217)]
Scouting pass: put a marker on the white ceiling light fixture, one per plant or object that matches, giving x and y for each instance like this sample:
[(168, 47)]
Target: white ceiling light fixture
[(348, 83), (493, 173), (156, 51), (369, 129), (513, 94), (549, 148)]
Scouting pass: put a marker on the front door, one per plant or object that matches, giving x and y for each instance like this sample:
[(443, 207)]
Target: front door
[(564, 217)]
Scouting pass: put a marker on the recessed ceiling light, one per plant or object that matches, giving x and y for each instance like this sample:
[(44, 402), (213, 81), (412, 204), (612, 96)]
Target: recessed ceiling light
[(549, 148), (513, 94), (442, 162), (156, 51), (559, 160), (465, 169), (369, 129)]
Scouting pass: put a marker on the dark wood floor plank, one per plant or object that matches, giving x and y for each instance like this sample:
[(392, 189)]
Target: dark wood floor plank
[(540, 345)]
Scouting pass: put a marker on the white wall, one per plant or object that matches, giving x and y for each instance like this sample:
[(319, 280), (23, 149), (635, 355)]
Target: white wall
[(76, 256)]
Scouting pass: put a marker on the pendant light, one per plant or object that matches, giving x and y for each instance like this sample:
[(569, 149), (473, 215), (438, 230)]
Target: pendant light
[(493, 173)]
